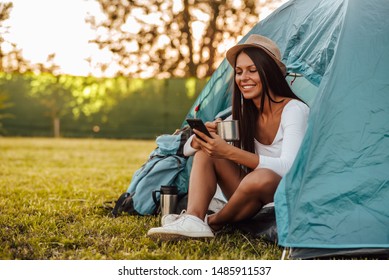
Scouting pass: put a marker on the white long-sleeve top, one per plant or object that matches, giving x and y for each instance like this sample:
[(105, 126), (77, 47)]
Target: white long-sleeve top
[(279, 155)]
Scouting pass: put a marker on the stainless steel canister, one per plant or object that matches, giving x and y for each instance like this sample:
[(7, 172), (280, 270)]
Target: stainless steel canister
[(168, 199), (228, 130)]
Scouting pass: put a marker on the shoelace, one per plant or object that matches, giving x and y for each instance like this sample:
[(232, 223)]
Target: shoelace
[(177, 217)]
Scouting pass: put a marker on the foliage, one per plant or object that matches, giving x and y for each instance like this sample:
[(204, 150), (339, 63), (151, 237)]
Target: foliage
[(70, 95), (11, 60), (172, 38), (3, 105), (5, 10), (4, 102), (96, 107), (51, 208)]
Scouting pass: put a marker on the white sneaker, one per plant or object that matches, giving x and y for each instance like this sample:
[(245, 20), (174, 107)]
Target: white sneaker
[(169, 218), (186, 226)]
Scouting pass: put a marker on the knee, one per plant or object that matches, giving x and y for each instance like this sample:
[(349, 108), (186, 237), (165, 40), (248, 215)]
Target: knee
[(260, 181), (201, 157)]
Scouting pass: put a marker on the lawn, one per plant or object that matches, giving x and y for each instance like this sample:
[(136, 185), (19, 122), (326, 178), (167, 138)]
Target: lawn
[(51, 197)]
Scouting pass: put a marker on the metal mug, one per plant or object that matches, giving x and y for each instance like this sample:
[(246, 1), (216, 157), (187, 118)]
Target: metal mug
[(168, 199), (228, 130)]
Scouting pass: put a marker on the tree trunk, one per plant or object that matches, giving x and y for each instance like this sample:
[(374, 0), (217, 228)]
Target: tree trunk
[(56, 127)]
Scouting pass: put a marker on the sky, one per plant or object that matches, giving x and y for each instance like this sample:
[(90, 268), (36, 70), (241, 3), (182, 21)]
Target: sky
[(43, 27)]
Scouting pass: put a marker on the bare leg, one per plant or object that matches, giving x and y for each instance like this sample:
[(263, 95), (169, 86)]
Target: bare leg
[(206, 173), (254, 191)]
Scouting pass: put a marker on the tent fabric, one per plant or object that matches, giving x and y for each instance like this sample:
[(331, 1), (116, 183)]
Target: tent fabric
[(337, 191), (215, 97)]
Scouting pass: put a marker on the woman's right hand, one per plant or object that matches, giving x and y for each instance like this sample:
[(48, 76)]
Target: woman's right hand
[(211, 126)]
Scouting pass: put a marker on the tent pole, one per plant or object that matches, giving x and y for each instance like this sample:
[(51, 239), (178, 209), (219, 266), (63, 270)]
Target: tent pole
[(285, 253)]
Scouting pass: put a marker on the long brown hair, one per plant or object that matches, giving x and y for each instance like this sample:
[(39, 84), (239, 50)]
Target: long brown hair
[(245, 110)]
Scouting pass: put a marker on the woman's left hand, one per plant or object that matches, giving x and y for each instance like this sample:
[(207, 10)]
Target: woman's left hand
[(215, 147)]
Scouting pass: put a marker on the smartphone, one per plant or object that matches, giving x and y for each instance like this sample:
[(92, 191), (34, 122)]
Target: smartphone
[(199, 125)]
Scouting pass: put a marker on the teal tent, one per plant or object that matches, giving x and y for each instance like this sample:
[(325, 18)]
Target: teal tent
[(335, 198)]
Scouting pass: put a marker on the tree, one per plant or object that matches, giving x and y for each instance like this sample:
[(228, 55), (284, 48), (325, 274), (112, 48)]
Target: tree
[(11, 59), (65, 95), (5, 10), (49, 89), (184, 38), (4, 104)]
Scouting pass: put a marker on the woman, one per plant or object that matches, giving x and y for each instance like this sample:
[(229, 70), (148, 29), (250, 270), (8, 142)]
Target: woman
[(272, 125)]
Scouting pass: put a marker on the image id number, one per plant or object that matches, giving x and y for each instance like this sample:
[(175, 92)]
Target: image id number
[(236, 270)]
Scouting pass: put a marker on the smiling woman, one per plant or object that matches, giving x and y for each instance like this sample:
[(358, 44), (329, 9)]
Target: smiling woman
[(45, 27), (272, 123)]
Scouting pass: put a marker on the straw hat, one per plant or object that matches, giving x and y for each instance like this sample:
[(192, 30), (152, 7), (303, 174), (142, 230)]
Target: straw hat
[(261, 42)]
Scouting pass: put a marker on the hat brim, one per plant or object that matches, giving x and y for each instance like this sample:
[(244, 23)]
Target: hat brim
[(233, 52)]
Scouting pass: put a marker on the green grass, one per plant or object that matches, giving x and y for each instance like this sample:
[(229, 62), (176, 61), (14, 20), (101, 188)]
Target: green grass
[(51, 193)]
